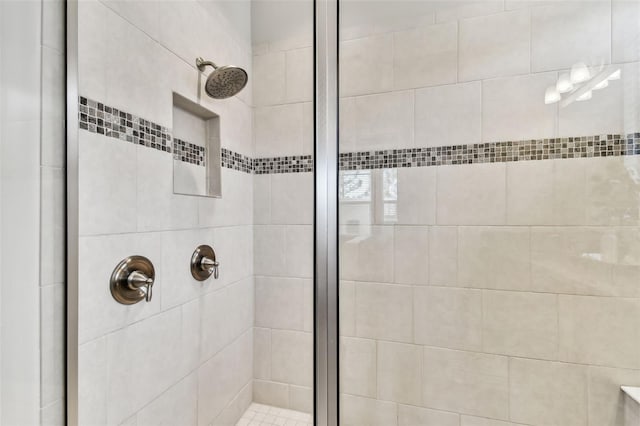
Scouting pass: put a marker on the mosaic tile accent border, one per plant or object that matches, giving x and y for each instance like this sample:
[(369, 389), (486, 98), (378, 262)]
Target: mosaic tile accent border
[(495, 152), (99, 118), (290, 164), (189, 152), (235, 161)]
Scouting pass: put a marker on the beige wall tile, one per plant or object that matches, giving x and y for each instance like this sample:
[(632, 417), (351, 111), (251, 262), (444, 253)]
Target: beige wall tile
[(600, 330), (425, 56), (411, 251), (358, 367), (449, 115), (570, 32), (589, 261), (271, 393), (606, 399), (347, 308), (278, 130), (269, 243), (469, 10), (261, 199), (494, 257), (545, 392), (409, 415), (279, 303), (520, 324), (292, 357), (385, 121), (356, 411), (269, 79), (625, 30), (475, 383), (357, 60), (398, 372), (384, 311), (299, 72), (513, 108), (301, 398), (530, 193), (481, 421), (299, 251), (261, 353), (494, 46), (612, 191), (292, 198), (471, 195), (448, 317), (416, 204), (364, 253), (443, 255)]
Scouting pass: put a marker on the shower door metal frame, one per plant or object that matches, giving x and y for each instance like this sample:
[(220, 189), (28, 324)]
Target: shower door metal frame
[(326, 275), (72, 182)]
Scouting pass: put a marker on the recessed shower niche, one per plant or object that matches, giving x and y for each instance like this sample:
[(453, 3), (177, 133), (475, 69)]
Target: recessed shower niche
[(196, 149)]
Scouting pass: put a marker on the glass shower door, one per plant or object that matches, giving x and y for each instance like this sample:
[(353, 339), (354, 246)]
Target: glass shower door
[(489, 212)]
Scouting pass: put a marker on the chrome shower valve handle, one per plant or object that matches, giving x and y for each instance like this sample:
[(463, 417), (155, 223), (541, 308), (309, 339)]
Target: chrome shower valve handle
[(210, 266), (204, 263), (139, 281), (132, 280)]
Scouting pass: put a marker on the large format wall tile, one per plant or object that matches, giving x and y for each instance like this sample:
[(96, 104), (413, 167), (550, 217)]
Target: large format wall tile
[(475, 383), (449, 115), (545, 392), (278, 130), (513, 108), (471, 195), (385, 121), (398, 372), (569, 32), (606, 399), (280, 303), (625, 30), (409, 415), (269, 79), (426, 56), (494, 46), (358, 366), (366, 65), (448, 317), (292, 357), (590, 327), (355, 410), (384, 312), (411, 251), (520, 324), (494, 257)]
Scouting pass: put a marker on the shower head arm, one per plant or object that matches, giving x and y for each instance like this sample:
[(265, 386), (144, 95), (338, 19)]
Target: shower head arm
[(202, 64)]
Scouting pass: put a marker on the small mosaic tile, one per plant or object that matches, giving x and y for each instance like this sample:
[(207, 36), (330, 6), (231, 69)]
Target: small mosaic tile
[(99, 118), (290, 164), (235, 161), (495, 152), (189, 152), (103, 119)]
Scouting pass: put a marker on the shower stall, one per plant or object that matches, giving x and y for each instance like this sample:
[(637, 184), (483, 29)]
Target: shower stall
[(329, 212)]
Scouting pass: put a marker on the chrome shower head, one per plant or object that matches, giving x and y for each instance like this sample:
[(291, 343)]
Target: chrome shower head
[(223, 82)]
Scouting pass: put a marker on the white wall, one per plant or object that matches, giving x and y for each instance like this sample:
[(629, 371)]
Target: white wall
[(185, 357), (32, 140)]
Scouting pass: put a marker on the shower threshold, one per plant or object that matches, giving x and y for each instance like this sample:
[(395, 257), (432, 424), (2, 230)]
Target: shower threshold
[(266, 415)]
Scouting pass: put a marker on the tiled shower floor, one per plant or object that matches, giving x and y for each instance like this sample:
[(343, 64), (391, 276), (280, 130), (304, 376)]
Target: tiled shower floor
[(265, 415)]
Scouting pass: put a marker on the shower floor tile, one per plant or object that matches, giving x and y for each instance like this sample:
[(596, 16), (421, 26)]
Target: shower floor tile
[(266, 415)]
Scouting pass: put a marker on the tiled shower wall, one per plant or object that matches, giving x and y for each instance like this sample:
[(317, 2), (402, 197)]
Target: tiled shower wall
[(491, 294), (283, 230), (32, 212), (187, 356)]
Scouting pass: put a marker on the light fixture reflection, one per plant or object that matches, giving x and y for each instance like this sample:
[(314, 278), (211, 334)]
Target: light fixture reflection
[(564, 84), (601, 85), (585, 96), (551, 95), (615, 75), (579, 73)]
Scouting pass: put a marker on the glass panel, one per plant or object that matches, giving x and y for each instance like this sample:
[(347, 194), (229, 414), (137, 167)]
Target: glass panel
[(489, 212), (176, 154)]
